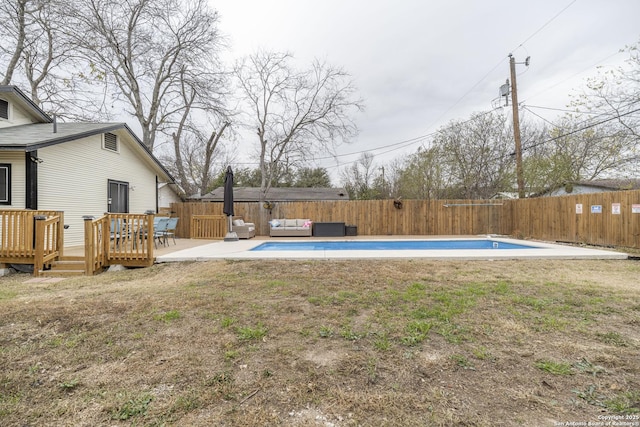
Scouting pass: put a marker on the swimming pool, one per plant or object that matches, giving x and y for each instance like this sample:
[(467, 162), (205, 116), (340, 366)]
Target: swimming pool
[(388, 245), (507, 248)]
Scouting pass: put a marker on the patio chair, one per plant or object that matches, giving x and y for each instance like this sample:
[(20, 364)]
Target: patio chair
[(244, 230), (171, 229), (160, 230), (118, 230)]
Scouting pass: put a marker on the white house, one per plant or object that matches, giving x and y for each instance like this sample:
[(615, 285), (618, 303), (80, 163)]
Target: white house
[(78, 168), (168, 193), (593, 186)]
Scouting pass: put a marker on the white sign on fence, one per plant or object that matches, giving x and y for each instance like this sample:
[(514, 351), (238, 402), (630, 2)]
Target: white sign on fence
[(615, 208)]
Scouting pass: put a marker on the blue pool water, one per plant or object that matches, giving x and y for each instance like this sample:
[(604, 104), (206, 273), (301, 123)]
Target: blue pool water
[(386, 245)]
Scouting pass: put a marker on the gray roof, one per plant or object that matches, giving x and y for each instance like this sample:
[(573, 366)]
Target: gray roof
[(14, 94), (611, 184), (288, 194), (33, 136)]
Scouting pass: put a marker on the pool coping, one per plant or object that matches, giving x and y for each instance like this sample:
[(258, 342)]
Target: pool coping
[(241, 250)]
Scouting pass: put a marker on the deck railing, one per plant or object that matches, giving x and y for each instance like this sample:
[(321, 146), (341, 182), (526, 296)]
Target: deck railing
[(118, 238), (31, 237), (208, 226), (48, 244), (37, 238)]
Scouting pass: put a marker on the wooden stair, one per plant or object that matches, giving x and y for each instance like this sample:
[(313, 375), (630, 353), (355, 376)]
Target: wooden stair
[(66, 266)]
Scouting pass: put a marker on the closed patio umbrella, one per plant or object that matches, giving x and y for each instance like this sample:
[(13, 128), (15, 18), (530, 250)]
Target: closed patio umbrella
[(227, 209)]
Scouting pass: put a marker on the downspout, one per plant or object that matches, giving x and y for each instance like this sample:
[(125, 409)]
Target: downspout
[(31, 180)]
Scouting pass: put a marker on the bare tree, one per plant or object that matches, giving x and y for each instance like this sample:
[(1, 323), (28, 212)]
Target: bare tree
[(15, 18), (37, 53), (198, 129), (360, 178), (421, 175), (476, 155), (588, 152), (615, 93), (143, 48), (295, 113)]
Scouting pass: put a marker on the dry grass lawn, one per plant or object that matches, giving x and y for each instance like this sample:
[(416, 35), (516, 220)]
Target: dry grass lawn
[(325, 343)]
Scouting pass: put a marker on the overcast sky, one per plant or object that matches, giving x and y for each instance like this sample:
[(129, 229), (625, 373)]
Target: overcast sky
[(418, 64)]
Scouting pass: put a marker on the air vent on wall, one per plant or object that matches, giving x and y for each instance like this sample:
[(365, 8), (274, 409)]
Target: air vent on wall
[(111, 142), (4, 109)]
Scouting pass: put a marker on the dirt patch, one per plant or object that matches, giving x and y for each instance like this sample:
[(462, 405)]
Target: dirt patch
[(326, 343)]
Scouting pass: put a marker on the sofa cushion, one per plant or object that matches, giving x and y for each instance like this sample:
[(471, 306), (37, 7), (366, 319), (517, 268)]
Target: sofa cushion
[(238, 222), (290, 223), (274, 223)]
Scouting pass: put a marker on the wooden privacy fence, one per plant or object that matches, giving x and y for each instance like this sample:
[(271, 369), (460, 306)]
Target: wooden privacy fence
[(372, 217), (615, 223), (603, 219)]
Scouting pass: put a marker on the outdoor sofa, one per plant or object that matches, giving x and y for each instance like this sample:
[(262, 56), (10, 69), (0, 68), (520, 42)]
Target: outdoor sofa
[(244, 230), (290, 228)]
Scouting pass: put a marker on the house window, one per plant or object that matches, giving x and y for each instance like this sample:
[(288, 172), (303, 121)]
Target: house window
[(118, 196), (5, 184), (110, 142), (4, 109)]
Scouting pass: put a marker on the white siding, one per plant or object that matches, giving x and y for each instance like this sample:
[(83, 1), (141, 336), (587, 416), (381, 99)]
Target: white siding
[(17, 116), (578, 189), (73, 178), (18, 179), (166, 196)]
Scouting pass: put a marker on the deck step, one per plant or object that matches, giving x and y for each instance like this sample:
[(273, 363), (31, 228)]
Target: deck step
[(61, 273), (66, 266)]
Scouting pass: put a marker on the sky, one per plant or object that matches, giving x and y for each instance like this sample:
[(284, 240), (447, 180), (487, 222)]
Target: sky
[(419, 64)]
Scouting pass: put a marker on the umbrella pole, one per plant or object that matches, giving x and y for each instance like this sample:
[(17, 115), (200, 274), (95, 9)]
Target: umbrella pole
[(231, 236)]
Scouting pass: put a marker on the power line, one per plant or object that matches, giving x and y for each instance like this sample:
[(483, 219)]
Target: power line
[(420, 138), (538, 115), (547, 23), (617, 116), (405, 143)]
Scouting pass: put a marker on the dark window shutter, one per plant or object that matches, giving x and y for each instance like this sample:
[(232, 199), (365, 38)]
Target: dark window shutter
[(4, 109)]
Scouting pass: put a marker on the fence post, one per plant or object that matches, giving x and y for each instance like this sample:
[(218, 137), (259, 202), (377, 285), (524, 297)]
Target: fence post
[(89, 242), (38, 263), (150, 238), (60, 236)]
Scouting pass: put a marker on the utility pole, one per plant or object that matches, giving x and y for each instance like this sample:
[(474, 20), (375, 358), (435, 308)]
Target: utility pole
[(516, 126)]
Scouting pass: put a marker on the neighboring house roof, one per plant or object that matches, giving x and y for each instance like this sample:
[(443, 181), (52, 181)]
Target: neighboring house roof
[(611, 184), (596, 185), (288, 194), (508, 195)]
